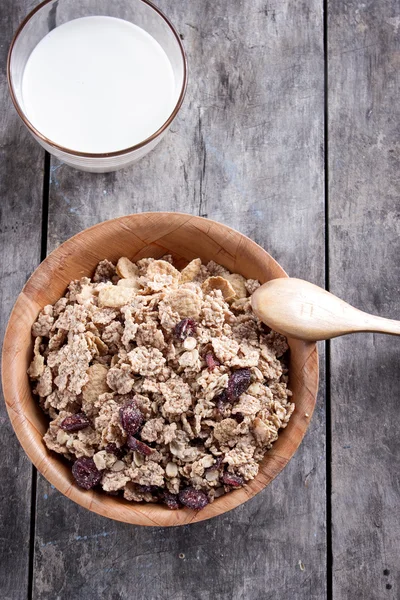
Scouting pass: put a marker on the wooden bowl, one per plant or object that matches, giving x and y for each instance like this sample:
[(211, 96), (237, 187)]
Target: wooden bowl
[(137, 236)]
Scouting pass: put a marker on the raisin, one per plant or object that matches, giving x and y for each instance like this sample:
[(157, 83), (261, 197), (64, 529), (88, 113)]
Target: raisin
[(131, 418), (113, 449), (212, 361), (185, 328), (232, 480), (238, 383), (75, 422), (86, 473), (170, 500), (141, 447), (193, 498)]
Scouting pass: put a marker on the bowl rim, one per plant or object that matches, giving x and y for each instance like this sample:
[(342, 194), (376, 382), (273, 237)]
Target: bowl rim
[(136, 514), (98, 155)]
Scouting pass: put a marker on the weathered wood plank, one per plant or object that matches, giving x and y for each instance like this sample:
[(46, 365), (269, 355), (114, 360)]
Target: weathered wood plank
[(364, 59), (21, 178), (246, 150)]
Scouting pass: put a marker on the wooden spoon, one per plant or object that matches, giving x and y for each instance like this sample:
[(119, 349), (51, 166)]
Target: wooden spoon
[(302, 310)]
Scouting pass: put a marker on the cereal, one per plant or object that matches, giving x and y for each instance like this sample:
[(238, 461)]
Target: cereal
[(160, 275), (105, 271), (95, 386), (219, 283), (71, 363), (177, 397), (115, 297), (190, 343), (127, 269), (45, 384), (162, 267), (37, 365), (120, 379), (191, 271), (252, 285), (160, 385), (171, 470), (184, 302), (149, 334), (129, 283), (238, 284), (45, 320), (146, 361)]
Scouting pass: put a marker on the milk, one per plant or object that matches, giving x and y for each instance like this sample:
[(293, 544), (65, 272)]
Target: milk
[(98, 85)]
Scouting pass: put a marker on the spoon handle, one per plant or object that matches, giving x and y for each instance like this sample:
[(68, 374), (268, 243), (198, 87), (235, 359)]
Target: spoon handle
[(376, 324)]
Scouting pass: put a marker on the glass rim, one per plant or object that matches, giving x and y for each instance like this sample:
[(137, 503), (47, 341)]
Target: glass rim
[(128, 150)]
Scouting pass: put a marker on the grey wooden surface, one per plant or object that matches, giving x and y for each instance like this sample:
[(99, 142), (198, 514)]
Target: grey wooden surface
[(21, 180), (364, 228), (248, 150)]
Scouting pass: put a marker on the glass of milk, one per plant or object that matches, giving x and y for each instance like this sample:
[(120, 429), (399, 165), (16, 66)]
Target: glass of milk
[(97, 82)]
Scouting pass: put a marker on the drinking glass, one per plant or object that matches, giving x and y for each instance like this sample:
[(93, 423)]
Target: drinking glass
[(52, 13)]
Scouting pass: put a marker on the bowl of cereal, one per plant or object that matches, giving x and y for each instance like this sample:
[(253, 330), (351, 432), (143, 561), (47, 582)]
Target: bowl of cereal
[(139, 381)]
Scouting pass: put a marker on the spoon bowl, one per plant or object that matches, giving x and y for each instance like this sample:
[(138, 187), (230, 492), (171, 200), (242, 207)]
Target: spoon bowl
[(304, 311)]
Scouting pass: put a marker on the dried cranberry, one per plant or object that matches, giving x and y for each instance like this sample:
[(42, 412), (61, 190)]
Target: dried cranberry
[(131, 418), (139, 446), (238, 383), (113, 449), (185, 328), (232, 480), (75, 422), (212, 361), (171, 500), (193, 498), (86, 473)]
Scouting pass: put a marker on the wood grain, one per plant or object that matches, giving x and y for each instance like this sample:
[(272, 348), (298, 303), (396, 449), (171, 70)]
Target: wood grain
[(21, 177), (246, 150), (364, 188)]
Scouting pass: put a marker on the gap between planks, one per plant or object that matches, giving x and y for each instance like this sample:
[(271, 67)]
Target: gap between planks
[(328, 420), (43, 254)]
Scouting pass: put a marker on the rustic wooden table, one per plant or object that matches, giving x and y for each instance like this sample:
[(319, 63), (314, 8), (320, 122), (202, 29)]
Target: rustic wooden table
[(289, 133)]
